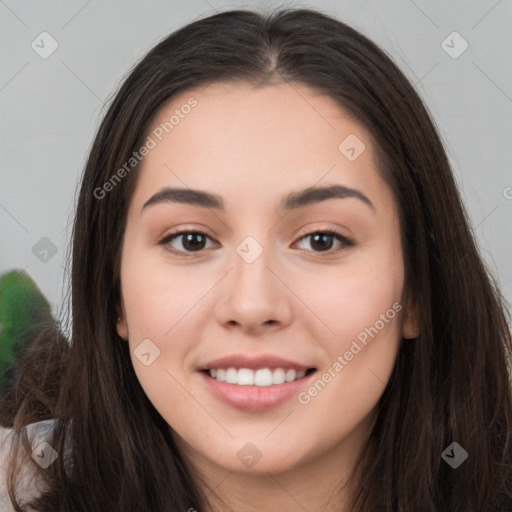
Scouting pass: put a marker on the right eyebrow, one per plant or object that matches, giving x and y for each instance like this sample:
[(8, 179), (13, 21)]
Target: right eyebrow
[(186, 196)]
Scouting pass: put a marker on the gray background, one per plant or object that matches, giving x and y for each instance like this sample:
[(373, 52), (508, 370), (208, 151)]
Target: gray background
[(51, 108)]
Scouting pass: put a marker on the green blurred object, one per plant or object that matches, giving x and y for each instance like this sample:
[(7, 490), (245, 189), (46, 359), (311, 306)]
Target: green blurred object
[(23, 311)]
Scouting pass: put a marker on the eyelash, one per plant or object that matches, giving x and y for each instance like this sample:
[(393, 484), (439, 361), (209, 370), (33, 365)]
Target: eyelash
[(341, 238)]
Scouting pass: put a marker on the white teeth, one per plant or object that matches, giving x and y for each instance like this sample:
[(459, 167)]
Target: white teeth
[(262, 377), (290, 375), (231, 376), (245, 377), (278, 376)]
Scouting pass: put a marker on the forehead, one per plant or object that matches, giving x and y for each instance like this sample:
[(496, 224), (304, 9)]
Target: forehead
[(241, 112), (235, 136)]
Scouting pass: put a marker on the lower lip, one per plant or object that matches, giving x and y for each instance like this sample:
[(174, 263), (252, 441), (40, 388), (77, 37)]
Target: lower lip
[(255, 398)]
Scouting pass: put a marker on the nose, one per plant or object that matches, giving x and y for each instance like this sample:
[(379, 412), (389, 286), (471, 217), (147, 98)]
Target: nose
[(255, 296)]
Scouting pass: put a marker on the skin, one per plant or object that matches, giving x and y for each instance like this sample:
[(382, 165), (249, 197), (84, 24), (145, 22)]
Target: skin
[(253, 147)]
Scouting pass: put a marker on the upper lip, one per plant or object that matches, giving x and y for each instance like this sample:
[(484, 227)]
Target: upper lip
[(253, 362)]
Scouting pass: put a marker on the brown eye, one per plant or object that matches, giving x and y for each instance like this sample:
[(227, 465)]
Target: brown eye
[(323, 241), (190, 241)]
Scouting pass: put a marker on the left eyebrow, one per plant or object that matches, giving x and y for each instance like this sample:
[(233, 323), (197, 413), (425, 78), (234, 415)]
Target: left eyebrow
[(292, 201), (313, 195)]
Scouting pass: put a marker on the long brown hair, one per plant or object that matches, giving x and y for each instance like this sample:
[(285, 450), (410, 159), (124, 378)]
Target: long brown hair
[(450, 384)]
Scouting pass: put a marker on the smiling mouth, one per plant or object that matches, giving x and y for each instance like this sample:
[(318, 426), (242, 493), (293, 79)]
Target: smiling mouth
[(262, 377)]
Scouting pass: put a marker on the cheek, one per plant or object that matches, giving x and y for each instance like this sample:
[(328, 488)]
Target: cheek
[(156, 295), (363, 309), (351, 298), (360, 311), (157, 306), (165, 304)]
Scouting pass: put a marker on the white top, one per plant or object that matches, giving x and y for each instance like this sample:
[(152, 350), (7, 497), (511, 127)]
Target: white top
[(31, 484)]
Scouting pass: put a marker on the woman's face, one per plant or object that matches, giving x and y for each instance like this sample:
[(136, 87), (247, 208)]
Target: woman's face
[(263, 291)]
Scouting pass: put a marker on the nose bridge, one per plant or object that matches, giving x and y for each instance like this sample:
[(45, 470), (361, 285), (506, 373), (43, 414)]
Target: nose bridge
[(254, 295), (251, 276)]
